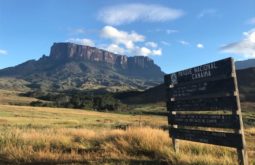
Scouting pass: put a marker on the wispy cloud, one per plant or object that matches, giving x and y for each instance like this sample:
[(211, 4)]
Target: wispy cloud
[(251, 21), (165, 43), (82, 41), (123, 42), (127, 13), (207, 12), (200, 46), (81, 31), (244, 47), (182, 42), (167, 31), (171, 31), (3, 52)]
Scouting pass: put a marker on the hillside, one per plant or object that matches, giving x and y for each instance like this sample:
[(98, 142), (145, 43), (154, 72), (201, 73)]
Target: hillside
[(250, 63), (246, 85), (72, 66)]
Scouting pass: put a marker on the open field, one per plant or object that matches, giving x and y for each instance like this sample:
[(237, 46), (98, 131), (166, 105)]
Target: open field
[(12, 97), (58, 135)]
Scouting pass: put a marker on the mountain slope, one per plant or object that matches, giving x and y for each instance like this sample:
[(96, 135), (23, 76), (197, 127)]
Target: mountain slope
[(72, 66), (245, 64), (246, 85)]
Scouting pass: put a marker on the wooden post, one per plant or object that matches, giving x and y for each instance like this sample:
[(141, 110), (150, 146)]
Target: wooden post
[(242, 153), (174, 140)]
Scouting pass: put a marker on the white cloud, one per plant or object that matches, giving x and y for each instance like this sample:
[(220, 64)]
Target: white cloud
[(115, 49), (151, 44), (157, 52), (143, 51), (82, 41), (245, 47), (3, 52), (251, 21), (127, 13), (207, 12), (200, 46), (184, 42), (123, 42), (122, 37)]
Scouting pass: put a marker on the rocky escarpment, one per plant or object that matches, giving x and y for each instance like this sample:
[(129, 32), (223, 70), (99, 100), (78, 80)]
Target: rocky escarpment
[(71, 51), (77, 66)]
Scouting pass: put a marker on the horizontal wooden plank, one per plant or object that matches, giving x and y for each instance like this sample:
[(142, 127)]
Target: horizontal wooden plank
[(218, 68), (206, 104), (216, 138), (223, 86), (204, 120)]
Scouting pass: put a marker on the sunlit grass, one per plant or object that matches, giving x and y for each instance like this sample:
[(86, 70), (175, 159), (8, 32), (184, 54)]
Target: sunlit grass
[(58, 135)]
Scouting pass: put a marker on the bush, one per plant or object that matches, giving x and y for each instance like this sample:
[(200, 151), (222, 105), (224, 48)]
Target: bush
[(77, 99)]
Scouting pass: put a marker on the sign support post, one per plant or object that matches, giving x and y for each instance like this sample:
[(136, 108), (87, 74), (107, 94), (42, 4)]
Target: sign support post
[(175, 141), (241, 153)]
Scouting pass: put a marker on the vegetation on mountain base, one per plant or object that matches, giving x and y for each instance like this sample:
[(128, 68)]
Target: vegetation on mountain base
[(77, 99)]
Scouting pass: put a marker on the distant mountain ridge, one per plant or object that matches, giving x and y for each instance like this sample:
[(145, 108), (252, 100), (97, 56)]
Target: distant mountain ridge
[(245, 64), (76, 66), (246, 86)]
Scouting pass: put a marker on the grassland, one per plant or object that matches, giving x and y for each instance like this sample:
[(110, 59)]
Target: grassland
[(13, 97), (65, 136)]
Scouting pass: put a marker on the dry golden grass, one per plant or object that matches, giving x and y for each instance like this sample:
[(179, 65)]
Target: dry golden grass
[(12, 97), (138, 144), (58, 135)]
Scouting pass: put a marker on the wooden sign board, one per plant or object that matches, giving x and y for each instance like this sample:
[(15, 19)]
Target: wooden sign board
[(204, 104), (209, 87), (220, 87), (217, 138), (204, 120), (222, 68)]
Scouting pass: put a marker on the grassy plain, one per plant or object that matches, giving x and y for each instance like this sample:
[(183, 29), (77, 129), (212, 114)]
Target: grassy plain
[(65, 136)]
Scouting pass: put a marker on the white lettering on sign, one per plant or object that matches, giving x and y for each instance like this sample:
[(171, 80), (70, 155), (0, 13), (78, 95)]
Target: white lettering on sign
[(202, 74), (205, 67), (202, 71), (185, 72)]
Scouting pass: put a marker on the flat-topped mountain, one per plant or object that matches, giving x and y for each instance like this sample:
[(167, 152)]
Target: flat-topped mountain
[(72, 66), (70, 51)]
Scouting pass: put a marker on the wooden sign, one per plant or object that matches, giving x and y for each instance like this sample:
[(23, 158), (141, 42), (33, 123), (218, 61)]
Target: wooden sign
[(204, 104), (204, 120), (209, 87), (217, 138), (204, 88), (222, 68)]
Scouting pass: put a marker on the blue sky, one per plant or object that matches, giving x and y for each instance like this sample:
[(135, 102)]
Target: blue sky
[(176, 34)]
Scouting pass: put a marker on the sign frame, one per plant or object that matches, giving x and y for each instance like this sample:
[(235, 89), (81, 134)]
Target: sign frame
[(193, 90)]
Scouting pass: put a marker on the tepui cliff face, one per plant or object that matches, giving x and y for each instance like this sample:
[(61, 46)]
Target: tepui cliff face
[(76, 66), (87, 53)]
